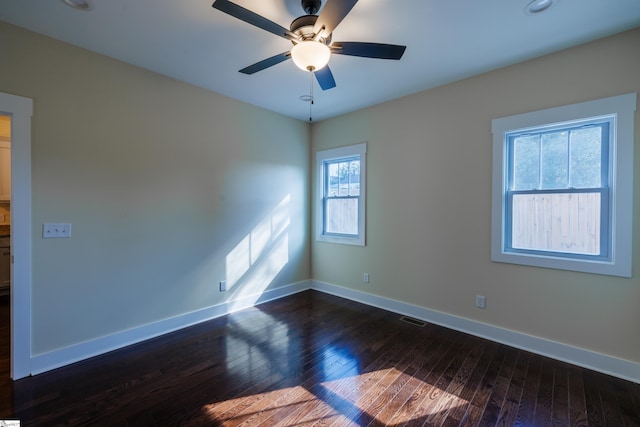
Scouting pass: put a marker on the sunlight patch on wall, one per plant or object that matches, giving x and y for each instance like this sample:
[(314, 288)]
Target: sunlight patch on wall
[(258, 258), (238, 261)]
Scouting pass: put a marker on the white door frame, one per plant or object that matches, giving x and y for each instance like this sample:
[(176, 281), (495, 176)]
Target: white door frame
[(20, 109)]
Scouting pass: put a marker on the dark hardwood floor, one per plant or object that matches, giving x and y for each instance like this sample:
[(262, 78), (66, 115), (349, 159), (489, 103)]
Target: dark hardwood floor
[(315, 359)]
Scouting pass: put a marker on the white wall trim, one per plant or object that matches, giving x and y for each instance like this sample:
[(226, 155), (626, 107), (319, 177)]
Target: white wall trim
[(65, 356), (574, 355)]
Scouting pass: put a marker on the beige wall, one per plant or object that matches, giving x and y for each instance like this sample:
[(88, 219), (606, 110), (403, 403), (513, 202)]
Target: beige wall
[(429, 203), (165, 185)]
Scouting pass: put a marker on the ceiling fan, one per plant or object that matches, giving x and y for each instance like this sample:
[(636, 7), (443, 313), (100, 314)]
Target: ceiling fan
[(311, 38)]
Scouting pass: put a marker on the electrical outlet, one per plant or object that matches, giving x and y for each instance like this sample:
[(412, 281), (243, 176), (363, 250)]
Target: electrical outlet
[(50, 231), (223, 286), (481, 301), (365, 277)]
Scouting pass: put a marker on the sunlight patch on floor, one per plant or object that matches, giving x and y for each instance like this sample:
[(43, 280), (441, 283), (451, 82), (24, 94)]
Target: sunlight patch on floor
[(363, 397), (261, 407)]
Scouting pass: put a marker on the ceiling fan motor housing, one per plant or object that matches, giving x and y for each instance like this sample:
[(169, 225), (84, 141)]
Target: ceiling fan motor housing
[(303, 27), (311, 7)]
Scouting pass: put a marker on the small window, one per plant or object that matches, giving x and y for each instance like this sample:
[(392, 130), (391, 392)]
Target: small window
[(340, 209), (562, 187)]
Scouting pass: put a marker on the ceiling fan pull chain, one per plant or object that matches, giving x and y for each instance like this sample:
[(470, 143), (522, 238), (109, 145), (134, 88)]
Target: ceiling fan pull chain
[(310, 92)]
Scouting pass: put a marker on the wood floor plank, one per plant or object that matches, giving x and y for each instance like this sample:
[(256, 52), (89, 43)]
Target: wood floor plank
[(481, 397), (457, 413), (627, 394), (560, 405), (544, 399), (452, 396), (509, 411), (439, 379), (372, 403), (350, 395), (610, 402), (313, 359), (595, 414), (499, 392), (420, 384), (406, 384), (577, 404), (527, 406)]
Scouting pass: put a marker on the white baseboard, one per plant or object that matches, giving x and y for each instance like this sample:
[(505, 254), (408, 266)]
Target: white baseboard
[(577, 356), (65, 356), (574, 355)]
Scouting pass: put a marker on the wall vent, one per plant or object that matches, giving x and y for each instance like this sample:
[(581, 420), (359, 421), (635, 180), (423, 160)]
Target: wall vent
[(413, 321)]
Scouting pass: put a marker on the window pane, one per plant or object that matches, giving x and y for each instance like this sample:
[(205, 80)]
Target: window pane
[(526, 161), (344, 179), (332, 179), (341, 216), (586, 157), (354, 184), (557, 222), (348, 173), (555, 160)]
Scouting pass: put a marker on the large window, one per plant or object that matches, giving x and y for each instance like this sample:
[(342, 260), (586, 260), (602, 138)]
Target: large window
[(340, 208), (562, 187), (558, 190)]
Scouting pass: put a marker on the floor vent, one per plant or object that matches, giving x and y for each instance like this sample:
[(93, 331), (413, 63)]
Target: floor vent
[(413, 321)]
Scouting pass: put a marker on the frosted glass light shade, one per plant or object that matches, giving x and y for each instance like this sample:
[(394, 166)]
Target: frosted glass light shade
[(310, 55)]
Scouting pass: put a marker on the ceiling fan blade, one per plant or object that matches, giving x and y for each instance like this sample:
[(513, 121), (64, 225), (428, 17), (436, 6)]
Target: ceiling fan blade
[(332, 14), (325, 78), (252, 18), (368, 50), (266, 63)]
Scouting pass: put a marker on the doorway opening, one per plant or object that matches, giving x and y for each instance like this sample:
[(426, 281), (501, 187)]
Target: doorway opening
[(19, 111), (5, 248), (5, 205)]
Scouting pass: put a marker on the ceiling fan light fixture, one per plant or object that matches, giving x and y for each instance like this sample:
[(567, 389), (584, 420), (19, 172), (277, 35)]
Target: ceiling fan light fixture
[(84, 5), (310, 55), (538, 6)]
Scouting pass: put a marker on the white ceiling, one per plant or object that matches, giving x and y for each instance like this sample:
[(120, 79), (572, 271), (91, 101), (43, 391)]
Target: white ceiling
[(446, 40)]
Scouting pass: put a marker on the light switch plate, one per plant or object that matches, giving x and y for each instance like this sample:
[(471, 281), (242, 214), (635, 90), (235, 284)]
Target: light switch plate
[(57, 230)]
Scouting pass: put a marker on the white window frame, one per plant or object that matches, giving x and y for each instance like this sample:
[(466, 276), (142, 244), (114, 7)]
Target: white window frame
[(621, 109), (359, 150)]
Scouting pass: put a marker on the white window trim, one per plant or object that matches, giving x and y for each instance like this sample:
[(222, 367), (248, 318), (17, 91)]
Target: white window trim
[(333, 154), (622, 107)]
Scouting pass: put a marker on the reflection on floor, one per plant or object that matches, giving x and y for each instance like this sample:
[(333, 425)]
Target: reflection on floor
[(313, 358)]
